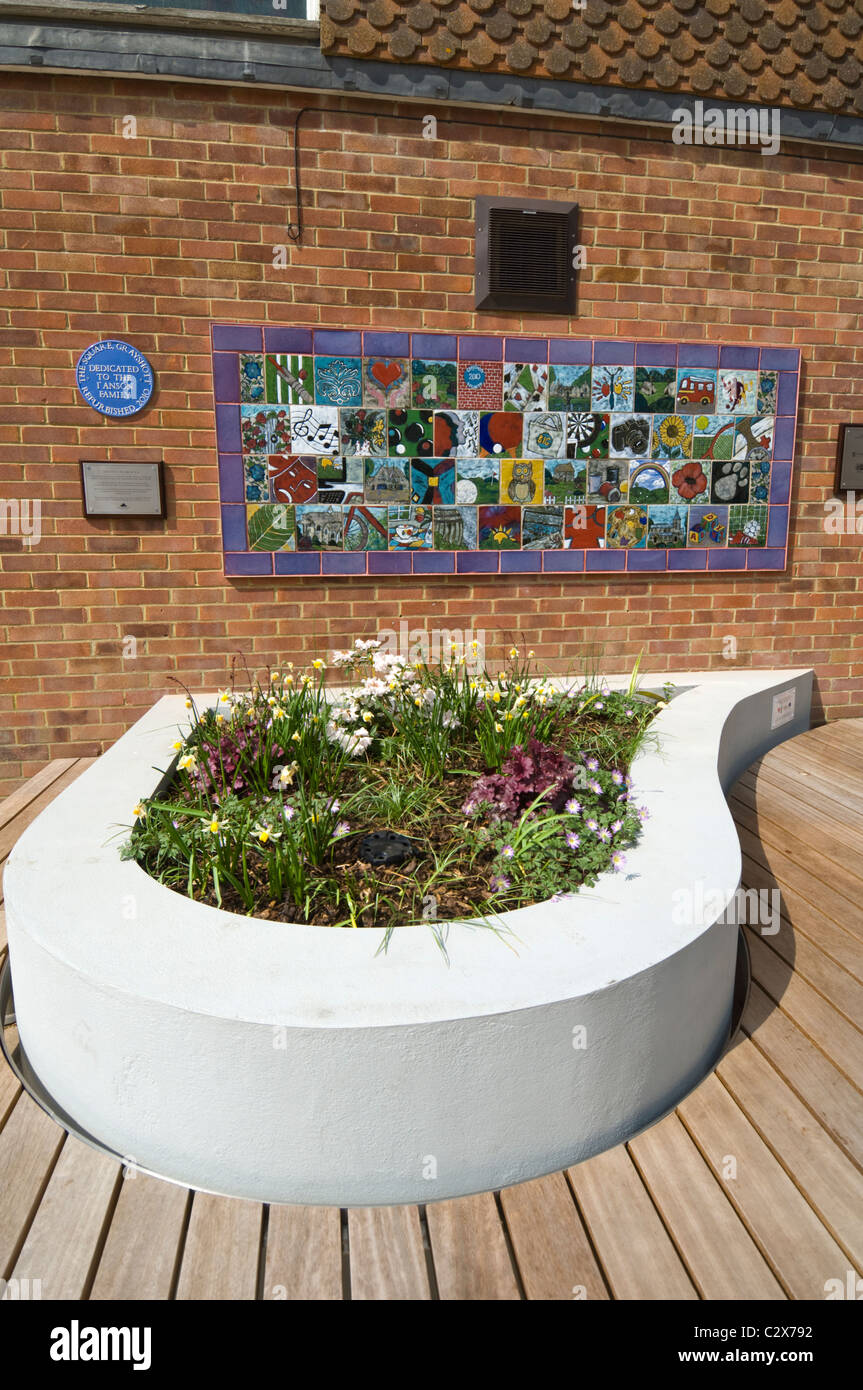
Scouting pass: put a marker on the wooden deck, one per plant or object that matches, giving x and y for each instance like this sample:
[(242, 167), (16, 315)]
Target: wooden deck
[(752, 1189)]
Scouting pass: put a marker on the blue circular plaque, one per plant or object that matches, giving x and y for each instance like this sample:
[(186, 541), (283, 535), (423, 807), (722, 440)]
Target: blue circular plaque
[(115, 378), (474, 376)]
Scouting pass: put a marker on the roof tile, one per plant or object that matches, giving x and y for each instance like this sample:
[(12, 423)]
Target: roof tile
[(787, 52)]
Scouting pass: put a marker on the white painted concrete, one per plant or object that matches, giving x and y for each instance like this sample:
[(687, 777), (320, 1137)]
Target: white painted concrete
[(290, 1063)]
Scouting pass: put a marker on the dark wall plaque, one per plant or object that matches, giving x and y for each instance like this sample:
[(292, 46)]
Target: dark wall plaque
[(849, 459), (122, 489)]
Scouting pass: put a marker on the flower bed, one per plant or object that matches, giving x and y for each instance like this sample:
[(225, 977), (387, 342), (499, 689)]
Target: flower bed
[(499, 791)]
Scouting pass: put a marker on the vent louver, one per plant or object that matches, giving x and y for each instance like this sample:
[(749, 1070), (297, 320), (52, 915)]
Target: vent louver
[(524, 255)]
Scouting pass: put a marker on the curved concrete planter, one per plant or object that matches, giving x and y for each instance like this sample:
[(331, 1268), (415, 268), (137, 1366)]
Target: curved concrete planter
[(291, 1064)]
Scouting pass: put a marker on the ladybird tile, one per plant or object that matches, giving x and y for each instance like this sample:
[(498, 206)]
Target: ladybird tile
[(737, 393), (525, 386)]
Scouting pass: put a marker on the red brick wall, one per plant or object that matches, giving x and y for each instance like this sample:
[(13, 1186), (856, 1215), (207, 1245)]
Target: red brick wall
[(150, 238)]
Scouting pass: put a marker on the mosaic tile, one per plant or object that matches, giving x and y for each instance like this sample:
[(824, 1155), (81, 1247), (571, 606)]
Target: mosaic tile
[(667, 527), (387, 480), (768, 394), (455, 528), (386, 382), (366, 528), (348, 452), (362, 431), (655, 389), (564, 480), (626, 528), (319, 528), (477, 480), (737, 393), (629, 436), (544, 435), (411, 528), (480, 386), (292, 478), (690, 481), (272, 527), (587, 435), (542, 528), (569, 386), (434, 383), (433, 481), (672, 437), (606, 481), (649, 484), (612, 388), (747, 526), (696, 391), (341, 479), (521, 481), (499, 528), (456, 432), (338, 381), (265, 430), (410, 433), (255, 479), (708, 526), (251, 376), (289, 380), (713, 436), (315, 428), (525, 386), (500, 432), (584, 528)]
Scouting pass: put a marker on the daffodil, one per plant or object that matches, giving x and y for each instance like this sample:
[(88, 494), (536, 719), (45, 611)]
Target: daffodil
[(188, 764), (295, 738), (263, 834), (177, 745), (139, 811), (214, 827), (317, 664)]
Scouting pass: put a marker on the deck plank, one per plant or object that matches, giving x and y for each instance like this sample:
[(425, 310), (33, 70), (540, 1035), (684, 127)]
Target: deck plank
[(819, 854), (19, 799), (808, 920), (304, 1254), (638, 1256), (469, 1249), (813, 1014), (799, 1248), (783, 868), (819, 1084), (141, 1249), (220, 1258), (719, 1253), (29, 1144), (387, 1256), (831, 1183), (63, 1242), (838, 986), (551, 1245)]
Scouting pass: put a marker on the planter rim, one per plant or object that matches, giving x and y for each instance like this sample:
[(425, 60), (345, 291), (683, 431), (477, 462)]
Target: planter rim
[(147, 941)]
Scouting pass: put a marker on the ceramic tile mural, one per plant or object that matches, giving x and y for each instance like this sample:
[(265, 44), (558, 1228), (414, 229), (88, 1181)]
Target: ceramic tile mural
[(375, 452)]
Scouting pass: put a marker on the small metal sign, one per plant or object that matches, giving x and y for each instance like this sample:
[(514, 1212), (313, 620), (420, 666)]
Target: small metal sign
[(784, 705), (115, 378), (123, 489), (849, 459)]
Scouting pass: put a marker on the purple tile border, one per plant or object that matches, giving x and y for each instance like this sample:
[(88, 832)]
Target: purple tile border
[(231, 479), (768, 559), (480, 349), (226, 376), (739, 359), (251, 566), (230, 337), (570, 352), (386, 344), (521, 561), (388, 562), (331, 342), (293, 562), (613, 353), (289, 340), (656, 354), (434, 563), (434, 346), (645, 560), (525, 350)]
